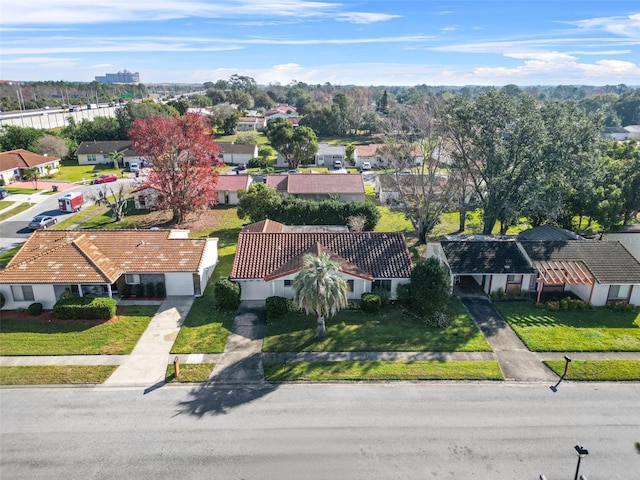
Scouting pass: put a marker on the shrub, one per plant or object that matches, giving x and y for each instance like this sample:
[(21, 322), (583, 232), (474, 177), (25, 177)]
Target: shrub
[(430, 287), (620, 307), (553, 306), (498, 294), (160, 291), (136, 290), (149, 290), (85, 308), (370, 302), (2, 300), (279, 307), (227, 294), (438, 320), (35, 309), (385, 296), (403, 294)]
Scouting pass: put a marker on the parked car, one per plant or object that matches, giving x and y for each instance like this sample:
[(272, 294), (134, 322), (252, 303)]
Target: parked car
[(293, 171), (110, 177), (41, 222), (365, 166), (3, 193), (240, 168), (134, 167), (337, 164)]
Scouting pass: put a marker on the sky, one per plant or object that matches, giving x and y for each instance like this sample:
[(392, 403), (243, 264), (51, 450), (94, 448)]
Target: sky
[(378, 42)]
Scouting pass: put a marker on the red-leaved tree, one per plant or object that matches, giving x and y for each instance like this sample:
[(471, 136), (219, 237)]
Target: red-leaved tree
[(184, 159)]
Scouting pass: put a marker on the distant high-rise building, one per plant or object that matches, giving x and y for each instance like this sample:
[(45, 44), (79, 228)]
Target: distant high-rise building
[(120, 77)]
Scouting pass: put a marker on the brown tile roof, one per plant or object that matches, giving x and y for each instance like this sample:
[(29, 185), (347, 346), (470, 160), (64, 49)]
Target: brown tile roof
[(264, 226), (233, 183), (22, 159), (370, 150), (317, 183), (364, 254), (608, 261), (100, 256), (105, 147)]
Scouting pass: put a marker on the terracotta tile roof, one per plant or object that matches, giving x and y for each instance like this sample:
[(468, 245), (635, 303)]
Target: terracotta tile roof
[(105, 147), (233, 183), (370, 150), (100, 256), (22, 159), (466, 257), (318, 183), (364, 254), (264, 226), (608, 261)]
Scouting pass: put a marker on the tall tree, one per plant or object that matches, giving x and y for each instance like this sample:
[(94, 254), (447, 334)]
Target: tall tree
[(428, 190), (14, 138), (51, 145), (258, 202), (184, 156), (296, 145), (116, 157), (319, 289), (115, 200)]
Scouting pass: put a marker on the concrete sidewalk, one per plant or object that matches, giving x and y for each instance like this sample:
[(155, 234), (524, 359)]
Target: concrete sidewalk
[(147, 364)]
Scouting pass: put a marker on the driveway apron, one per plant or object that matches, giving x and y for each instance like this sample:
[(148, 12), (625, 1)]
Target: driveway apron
[(241, 361), (147, 363), (517, 363)]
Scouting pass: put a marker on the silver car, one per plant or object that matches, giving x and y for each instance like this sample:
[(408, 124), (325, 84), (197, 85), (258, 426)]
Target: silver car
[(41, 222)]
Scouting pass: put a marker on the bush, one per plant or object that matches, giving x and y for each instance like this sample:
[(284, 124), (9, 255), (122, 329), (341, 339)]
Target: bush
[(136, 290), (35, 309), (160, 291), (553, 306), (438, 320), (430, 287), (85, 308), (149, 290), (498, 294), (403, 294), (385, 296), (620, 307), (227, 294), (370, 302), (279, 307)]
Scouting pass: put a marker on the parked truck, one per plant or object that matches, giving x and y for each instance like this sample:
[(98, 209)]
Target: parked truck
[(91, 106), (71, 202)]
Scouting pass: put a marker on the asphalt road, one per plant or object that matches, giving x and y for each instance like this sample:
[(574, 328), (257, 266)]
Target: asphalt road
[(353, 431)]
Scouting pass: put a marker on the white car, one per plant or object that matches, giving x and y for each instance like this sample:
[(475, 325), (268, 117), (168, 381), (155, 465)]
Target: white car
[(337, 164), (365, 166)]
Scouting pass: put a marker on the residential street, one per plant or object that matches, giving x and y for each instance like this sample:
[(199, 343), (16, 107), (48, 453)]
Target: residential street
[(347, 431)]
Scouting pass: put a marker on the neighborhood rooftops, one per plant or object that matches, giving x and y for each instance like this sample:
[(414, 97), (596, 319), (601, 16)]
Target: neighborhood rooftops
[(467, 257), (317, 183), (21, 158), (105, 147), (99, 256)]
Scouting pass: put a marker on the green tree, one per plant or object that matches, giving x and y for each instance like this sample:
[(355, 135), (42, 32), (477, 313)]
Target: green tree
[(430, 287), (116, 157), (14, 138), (319, 289), (32, 174), (297, 145), (258, 202)]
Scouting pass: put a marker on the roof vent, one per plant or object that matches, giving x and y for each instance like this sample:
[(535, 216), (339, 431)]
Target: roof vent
[(141, 242)]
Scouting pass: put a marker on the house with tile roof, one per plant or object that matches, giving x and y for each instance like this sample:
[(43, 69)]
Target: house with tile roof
[(227, 188), (97, 152), (60, 263), (319, 186), (13, 163), (269, 255), (281, 111), (249, 124), (543, 261), (235, 154), (371, 153)]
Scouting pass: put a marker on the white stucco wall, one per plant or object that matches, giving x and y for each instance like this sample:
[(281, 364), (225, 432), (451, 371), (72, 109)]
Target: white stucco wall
[(42, 293), (209, 262), (180, 283), (635, 296), (254, 289)]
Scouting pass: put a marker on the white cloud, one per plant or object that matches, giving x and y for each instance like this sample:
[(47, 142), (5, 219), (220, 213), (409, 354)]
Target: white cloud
[(627, 26), (361, 17)]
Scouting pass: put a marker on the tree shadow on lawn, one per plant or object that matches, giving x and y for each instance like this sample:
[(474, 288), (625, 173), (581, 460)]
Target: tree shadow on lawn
[(527, 315)]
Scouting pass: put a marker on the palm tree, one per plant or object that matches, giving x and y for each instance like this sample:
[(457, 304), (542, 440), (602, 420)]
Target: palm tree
[(116, 157), (320, 289)]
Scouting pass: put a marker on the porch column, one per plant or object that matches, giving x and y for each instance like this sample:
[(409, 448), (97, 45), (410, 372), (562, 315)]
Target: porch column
[(80, 290), (109, 290)]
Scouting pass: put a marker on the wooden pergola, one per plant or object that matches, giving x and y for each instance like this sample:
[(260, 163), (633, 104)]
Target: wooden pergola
[(561, 273)]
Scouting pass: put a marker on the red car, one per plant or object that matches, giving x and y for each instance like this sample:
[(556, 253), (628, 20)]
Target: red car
[(111, 177)]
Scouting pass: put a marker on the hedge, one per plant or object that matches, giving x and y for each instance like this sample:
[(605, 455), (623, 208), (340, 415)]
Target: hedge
[(85, 308), (227, 294), (279, 307), (370, 302)]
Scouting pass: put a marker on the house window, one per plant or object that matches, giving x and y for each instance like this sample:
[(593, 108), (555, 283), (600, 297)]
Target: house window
[(288, 283), (350, 285), (22, 293), (132, 279), (91, 157), (619, 292), (105, 156), (381, 285), (514, 279)]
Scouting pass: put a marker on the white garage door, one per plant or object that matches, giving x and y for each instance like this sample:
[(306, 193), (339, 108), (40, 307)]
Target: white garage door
[(255, 290)]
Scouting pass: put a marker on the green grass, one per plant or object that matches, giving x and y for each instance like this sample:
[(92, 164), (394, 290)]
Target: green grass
[(598, 370), (378, 371), (75, 218), (5, 204), (190, 373), (28, 337), (72, 172), (55, 374), (15, 210), (22, 190), (5, 257), (393, 329), (596, 330)]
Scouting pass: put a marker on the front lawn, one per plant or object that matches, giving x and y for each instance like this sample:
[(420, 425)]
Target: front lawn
[(189, 373), (36, 337), (598, 370), (596, 330), (381, 371), (15, 210), (71, 171), (392, 329), (55, 374)]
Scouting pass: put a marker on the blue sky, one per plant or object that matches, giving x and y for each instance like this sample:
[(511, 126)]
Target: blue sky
[(390, 42)]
